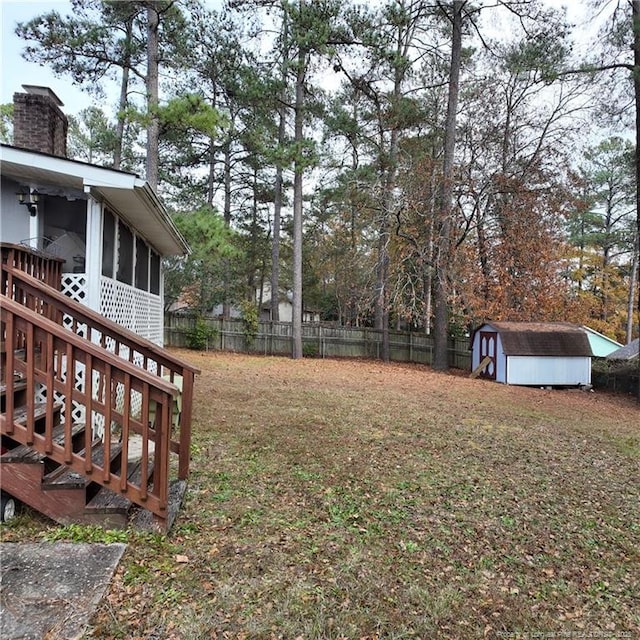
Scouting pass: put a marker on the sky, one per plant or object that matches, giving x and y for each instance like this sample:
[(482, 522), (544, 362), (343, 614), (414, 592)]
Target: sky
[(15, 71)]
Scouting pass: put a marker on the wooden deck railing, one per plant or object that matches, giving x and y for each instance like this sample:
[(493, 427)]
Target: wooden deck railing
[(42, 266), (50, 359), (146, 355)]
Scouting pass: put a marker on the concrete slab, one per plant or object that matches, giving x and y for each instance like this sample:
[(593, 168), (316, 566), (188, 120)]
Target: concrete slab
[(52, 589)]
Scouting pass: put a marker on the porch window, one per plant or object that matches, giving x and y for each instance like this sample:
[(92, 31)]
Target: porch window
[(142, 264), (108, 243), (125, 254), (154, 284)]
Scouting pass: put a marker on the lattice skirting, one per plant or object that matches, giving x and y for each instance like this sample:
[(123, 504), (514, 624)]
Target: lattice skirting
[(137, 310), (78, 413), (97, 392), (74, 285)]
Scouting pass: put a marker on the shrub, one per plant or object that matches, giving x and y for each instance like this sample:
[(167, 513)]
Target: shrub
[(249, 322), (310, 350), (199, 337)]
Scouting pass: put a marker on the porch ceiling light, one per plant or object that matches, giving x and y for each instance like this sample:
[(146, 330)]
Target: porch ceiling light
[(30, 200)]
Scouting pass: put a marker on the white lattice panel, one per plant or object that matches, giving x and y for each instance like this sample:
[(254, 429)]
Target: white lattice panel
[(74, 285), (78, 412), (134, 309)]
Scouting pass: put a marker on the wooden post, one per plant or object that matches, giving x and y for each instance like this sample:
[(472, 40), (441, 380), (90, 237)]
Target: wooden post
[(476, 372), (185, 425)]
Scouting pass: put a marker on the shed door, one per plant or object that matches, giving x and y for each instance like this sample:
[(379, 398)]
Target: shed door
[(488, 342)]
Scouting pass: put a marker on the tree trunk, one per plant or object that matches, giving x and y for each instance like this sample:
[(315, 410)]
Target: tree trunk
[(124, 96), (153, 129), (633, 283), (635, 8), (296, 321), (382, 277), (441, 314), (383, 243), (253, 253), (389, 182), (388, 206), (226, 304), (212, 183), (277, 211)]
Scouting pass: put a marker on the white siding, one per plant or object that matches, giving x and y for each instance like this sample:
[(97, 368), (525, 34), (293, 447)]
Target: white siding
[(16, 221), (548, 370)]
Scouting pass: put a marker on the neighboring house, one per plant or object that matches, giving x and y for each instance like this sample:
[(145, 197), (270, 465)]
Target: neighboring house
[(532, 353), (601, 346), (285, 308), (108, 226), (235, 312), (285, 312), (628, 352)]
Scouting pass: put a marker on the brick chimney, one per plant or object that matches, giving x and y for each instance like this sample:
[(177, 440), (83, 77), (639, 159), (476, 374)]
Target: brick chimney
[(38, 122)]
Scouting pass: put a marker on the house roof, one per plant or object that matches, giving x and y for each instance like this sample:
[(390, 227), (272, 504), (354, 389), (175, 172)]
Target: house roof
[(128, 195), (542, 339), (627, 352)]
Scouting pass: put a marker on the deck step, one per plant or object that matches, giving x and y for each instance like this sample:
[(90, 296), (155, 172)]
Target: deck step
[(109, 501), (19, 389), (20, 413), (39, 412), (19, 384), (24, 453), (65, 478)]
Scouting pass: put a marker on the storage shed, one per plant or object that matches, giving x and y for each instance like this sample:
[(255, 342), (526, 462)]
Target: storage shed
[(532, 353)]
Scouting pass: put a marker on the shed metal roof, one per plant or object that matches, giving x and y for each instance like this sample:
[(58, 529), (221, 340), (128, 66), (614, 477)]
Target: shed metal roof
[(542, 339)]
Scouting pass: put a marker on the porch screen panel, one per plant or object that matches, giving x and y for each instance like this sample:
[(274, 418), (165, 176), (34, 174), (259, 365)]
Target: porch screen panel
[(142, 265), (108, 243), (154, 284), (125, 254)]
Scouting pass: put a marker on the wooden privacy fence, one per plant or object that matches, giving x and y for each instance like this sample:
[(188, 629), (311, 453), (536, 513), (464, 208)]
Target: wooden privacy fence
[(274, 338)]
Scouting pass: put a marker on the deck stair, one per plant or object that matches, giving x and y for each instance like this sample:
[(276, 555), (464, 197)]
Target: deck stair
[(55, 489), (117, 455)]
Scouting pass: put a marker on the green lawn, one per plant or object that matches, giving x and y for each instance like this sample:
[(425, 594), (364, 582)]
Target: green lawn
[(343, 499)]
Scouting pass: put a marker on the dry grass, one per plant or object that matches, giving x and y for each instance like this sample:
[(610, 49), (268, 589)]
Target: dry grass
[(342, 499)]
